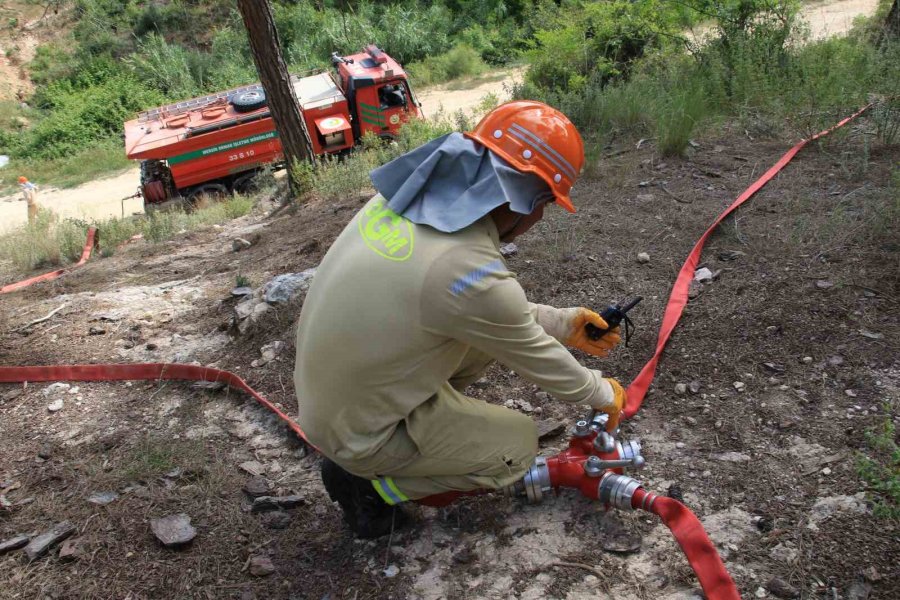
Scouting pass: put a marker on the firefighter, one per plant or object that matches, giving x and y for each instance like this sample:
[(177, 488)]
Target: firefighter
[(29, 193), (413, 301)]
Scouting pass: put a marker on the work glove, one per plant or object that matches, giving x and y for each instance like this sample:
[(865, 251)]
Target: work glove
[(567, 325), (609, 398)]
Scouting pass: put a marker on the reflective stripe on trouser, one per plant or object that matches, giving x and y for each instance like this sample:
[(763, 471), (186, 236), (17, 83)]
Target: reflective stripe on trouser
[(388, 491), (450, 443)]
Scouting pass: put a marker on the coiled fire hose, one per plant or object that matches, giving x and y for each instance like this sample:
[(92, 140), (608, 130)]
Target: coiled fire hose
[(577, 467)]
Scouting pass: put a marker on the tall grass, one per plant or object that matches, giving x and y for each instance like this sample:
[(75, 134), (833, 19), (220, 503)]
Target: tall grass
[(50, 242)]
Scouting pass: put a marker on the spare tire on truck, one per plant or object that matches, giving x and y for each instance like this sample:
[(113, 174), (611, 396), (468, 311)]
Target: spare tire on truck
[(249, 100)]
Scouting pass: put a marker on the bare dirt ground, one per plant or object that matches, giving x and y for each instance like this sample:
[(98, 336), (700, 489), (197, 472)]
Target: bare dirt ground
[(804, 314)]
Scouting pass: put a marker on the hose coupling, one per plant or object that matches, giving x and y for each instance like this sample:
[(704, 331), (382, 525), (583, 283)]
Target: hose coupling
[(617, 490), (535, 484), (582, 429)]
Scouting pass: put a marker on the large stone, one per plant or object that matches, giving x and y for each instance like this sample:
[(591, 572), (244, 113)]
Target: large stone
[(284, 288), (13, 544), (40, 545), (827, 507), (549, 428), (174, 530)]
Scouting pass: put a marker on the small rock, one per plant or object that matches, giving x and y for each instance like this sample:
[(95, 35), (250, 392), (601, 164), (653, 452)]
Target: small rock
[(268, 353), (826, 471), (733, 457), (871, 334), (871, 574), (643, 258), (782, 589), (690, 420), (391, 571), (739, 386), (679, 445), (836, 360), (151, 347), (96, 331), (53, 388), (40, 545), (807, 360), (55, 406), (257, 486), (823, 284), (278, 519), (103, 498), (784, 555), (510, 249), (13, 544), (680, 389), (267, 503), (71, 550), (173, 530), (703, 275), (761, 592), (261, 566), (238, 244), (851, 393), (694, 289), (254, 467), (242, 291), (694, 387), (46, 451)]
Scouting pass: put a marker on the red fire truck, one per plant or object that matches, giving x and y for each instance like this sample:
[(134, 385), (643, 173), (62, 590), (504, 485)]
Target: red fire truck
[(217, 144)]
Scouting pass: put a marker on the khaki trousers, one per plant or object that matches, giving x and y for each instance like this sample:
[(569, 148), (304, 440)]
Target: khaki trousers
[(452, 443)]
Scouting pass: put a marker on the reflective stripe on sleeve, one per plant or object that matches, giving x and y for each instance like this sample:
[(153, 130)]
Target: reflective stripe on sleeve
[(388, 491)]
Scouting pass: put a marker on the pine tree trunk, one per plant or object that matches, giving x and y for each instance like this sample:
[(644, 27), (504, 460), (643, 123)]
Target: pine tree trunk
[(276, 81), (892, 23)]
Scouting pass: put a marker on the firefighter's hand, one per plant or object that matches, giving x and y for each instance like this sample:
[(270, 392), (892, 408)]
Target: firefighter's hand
[(610, 399), (568, 326)]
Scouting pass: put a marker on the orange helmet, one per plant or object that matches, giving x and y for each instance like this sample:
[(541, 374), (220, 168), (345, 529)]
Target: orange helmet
[(535, 138), (23, 180)]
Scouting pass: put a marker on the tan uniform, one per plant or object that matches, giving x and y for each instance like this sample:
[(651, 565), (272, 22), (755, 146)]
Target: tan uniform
[(29, 192), (399, 319)]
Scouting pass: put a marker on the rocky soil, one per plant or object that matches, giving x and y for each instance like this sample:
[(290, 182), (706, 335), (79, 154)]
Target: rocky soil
[(786, 356)]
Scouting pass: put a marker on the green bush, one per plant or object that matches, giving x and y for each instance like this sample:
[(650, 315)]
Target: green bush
[(879, 467), (461, 61)]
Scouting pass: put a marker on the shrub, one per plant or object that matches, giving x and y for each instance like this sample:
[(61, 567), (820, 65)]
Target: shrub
[(461, 61)]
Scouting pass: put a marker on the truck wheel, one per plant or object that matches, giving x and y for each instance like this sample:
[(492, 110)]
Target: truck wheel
[(207, 194), (246, 184), (249, 101)]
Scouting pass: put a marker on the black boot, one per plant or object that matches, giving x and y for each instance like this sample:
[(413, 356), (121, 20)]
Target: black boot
[(364, 510)]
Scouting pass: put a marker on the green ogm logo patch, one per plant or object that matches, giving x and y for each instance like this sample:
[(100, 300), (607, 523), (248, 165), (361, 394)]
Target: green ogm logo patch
[(386, 232)]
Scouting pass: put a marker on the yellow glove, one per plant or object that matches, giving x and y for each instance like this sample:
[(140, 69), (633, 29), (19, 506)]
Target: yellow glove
[(614, 409), (568, 326)]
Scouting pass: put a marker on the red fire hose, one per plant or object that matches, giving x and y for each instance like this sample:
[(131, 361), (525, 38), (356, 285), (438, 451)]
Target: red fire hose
[(679, 296), (93, 239), (687, 529)]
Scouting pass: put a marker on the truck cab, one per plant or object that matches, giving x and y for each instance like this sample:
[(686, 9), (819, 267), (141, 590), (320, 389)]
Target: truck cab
[(377, 87)]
